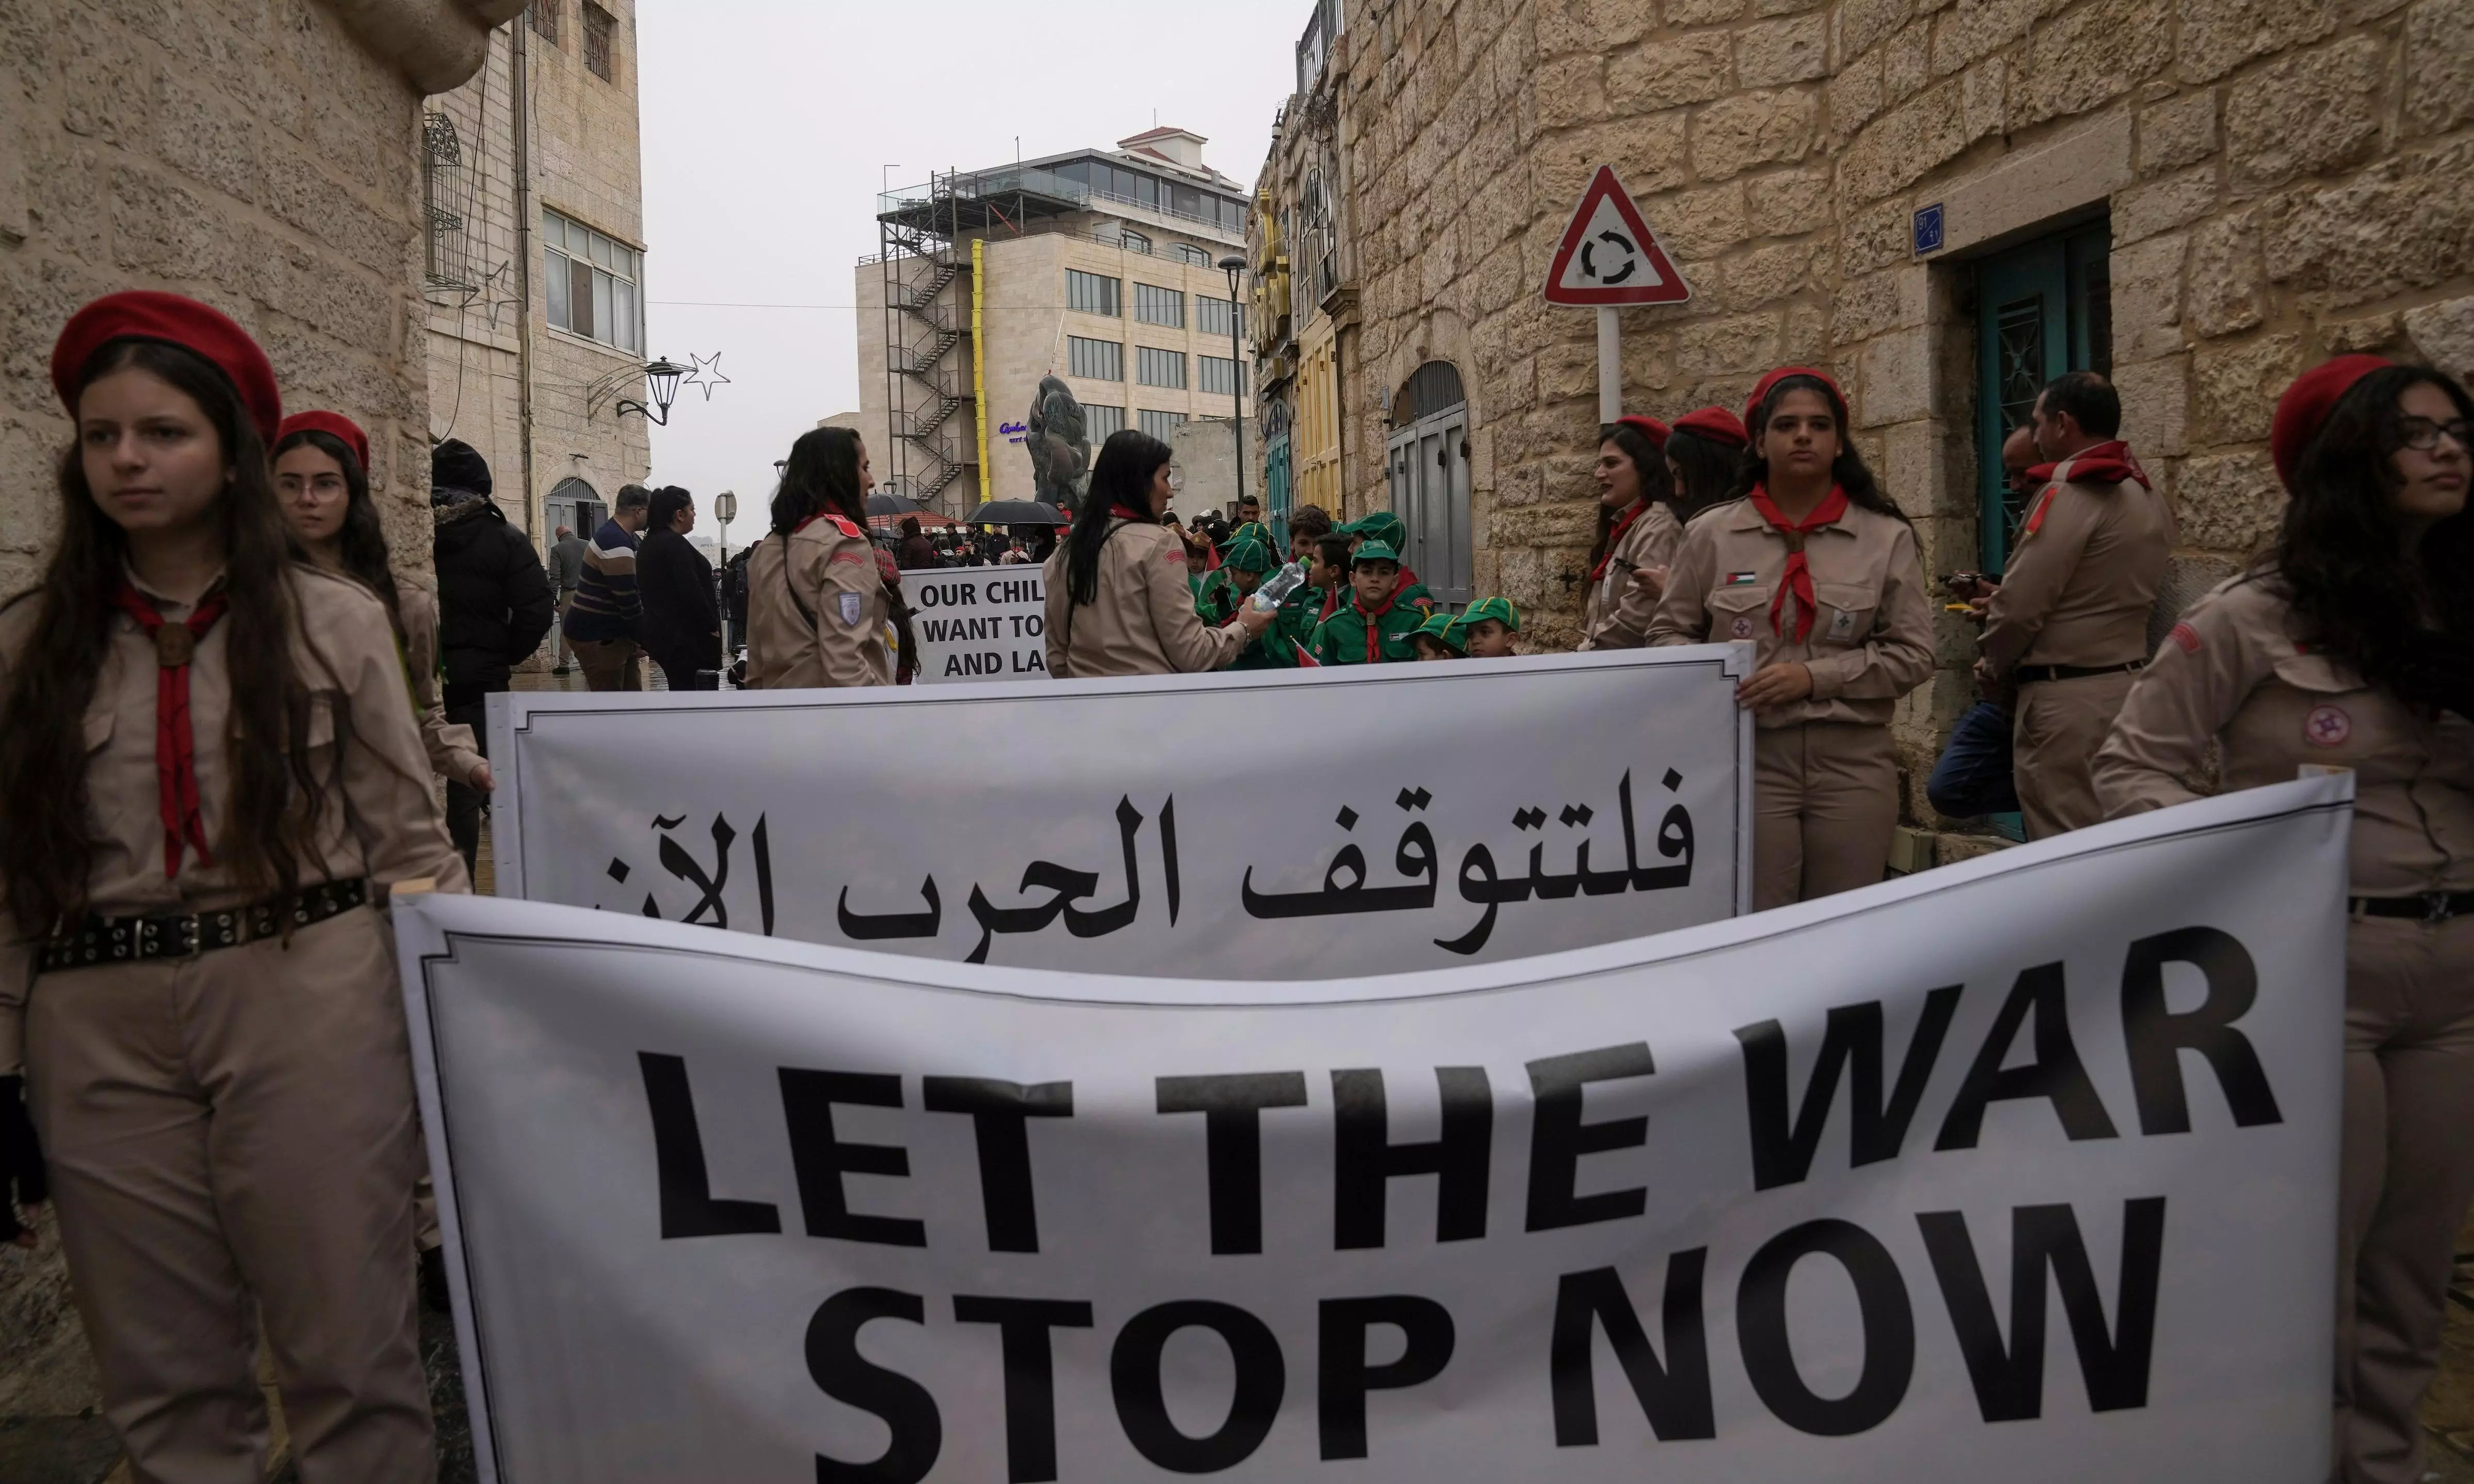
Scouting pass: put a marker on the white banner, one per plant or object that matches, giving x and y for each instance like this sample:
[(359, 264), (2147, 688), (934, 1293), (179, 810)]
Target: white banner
[(2022, 1170), (979, 623), (1266, 826)]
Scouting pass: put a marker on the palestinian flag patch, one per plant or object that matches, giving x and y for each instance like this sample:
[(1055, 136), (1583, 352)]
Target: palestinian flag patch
[(1741, 579)]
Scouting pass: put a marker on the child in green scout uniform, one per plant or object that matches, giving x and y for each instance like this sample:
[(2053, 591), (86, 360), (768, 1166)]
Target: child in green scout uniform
[(1225, 593), (1488, 629), (1374, 628), (1392, 531), (1438, 638)]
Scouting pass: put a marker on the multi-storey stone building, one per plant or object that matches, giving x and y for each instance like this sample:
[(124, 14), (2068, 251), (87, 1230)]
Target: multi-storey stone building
[(534, 263), (1944, 202), (1099, 267)]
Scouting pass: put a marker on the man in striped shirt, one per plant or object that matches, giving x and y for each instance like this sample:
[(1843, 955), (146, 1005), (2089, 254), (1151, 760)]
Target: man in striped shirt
[(605, 625)]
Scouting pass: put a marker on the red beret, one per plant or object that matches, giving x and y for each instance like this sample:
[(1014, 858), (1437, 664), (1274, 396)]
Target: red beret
[(147, 315), (2306, 404), (1761, 389), (1650, 429), (333, 423), (1716, 424)]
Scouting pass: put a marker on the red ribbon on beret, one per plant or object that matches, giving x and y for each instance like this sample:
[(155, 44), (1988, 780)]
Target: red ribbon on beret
[(1761, 390), (1716, 424), (176, 746), (2304, 408), (1798, 578), (333, 423), (144, 314)]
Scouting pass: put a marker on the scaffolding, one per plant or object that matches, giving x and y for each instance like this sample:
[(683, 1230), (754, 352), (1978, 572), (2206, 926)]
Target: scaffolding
[(924, 238)]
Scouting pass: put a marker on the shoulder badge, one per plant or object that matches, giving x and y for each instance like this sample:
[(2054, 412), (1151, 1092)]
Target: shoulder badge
[(845, 525), (854, 608)]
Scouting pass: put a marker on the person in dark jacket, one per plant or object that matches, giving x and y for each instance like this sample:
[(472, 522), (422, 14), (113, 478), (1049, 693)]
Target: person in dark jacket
[(682, 616), (916, 552), (494, 606)]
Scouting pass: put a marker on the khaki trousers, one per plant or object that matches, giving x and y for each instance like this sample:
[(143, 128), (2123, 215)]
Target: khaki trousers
[(2061, 724), (1825, 809), (610, 663), (566, 650), (2409, 1175), (232, 1136)]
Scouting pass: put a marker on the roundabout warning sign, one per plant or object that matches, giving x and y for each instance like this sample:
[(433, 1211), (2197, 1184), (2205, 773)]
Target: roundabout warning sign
[(1609, 255)]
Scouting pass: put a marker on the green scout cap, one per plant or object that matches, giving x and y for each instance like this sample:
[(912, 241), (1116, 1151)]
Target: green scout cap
[(1447, 629), (1500, 609), (1248, 555), (1251, 530), (1375, 551), (1383, 526)]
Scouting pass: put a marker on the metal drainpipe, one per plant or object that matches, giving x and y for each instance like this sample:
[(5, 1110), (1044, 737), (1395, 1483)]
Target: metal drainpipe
[(521, 101)]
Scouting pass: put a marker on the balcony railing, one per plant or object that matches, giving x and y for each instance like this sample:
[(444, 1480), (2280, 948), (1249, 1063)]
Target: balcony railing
[(996, 185)]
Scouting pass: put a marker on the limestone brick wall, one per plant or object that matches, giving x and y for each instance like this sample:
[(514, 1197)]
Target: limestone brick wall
[(2284, 178), (255, 157)]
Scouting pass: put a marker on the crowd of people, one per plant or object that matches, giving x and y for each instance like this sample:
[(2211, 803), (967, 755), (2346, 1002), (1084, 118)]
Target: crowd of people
[(223, 710)]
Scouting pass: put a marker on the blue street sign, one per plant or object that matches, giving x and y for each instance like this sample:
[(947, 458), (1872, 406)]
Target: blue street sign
[(1928, 230)]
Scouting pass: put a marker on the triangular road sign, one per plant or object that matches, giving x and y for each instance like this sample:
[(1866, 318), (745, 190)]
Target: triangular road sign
[(1608, 255)]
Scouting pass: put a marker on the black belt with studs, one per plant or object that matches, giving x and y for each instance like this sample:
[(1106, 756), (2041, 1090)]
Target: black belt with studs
[(106, 941)]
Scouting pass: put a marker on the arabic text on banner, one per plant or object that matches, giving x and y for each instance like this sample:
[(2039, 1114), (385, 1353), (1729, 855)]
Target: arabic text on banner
[(2022, 1170), (1251, 826)]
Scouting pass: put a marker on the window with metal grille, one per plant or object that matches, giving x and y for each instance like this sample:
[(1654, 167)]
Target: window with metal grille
[(593, 283), (1155, 305), (1160, 368), (544, 20), (1090, 293), (445, 191), (1098, 423), (1217, 318), (1219, 376), (1162, 426), (598, 26), (1095, 360)]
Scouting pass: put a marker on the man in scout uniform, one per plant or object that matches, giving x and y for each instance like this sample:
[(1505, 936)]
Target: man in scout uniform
[(1374, 626), (2068, 624), (1488, 627), (1438, 638)]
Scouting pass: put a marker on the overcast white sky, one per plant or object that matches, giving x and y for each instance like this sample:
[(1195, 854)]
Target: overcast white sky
[(767, 123)]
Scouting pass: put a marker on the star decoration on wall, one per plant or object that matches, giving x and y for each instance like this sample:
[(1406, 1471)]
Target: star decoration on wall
[(707, 373)]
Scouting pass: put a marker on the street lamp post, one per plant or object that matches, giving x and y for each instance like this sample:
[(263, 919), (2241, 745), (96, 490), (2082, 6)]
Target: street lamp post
[(663, 378), (1234, 266)]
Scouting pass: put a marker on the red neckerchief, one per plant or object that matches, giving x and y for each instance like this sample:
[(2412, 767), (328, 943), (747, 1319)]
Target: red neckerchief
[(2105, 463), (1615, 538), (176, 747), (1123, 514), (1373, 631), (1798, 577)]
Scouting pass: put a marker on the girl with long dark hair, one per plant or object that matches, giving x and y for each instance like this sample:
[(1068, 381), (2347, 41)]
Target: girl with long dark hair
[(1814, 566), (1702, 453), (1117, 603), (1638, 534), (322, 477), (816, 607), (209, 778), (2350, 644)]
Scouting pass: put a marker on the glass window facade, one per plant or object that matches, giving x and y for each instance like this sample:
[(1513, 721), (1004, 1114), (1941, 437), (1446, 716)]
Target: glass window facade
[(1217, 317), (1098, 423), (1095, 360), (1162, 425), (1156, 305), (1160, 368), (1091, 293), (1219, 376), (594, 283)]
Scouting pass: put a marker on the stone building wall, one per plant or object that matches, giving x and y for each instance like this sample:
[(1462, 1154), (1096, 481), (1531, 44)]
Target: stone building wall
[(263, 159), (586, 163), (2284, 178)]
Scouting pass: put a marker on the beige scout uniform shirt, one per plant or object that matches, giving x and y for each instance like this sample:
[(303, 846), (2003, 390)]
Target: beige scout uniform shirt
[(454, 751), (1142, 620), (2232, 671), (1871, 639), (839, 640), (2077, 591), (1620, 604), (385, 824)]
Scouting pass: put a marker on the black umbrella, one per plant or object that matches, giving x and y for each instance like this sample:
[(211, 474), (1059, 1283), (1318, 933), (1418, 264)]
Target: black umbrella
[(893, 504), (1018, 512)]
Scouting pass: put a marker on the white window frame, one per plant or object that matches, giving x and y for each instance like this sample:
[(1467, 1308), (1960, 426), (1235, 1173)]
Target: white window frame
[(618, 280)]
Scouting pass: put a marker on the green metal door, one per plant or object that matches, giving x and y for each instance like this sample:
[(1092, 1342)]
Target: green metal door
[(2042, 308)]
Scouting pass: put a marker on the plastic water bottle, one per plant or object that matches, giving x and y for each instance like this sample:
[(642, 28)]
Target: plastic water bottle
[(1269, 597)]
